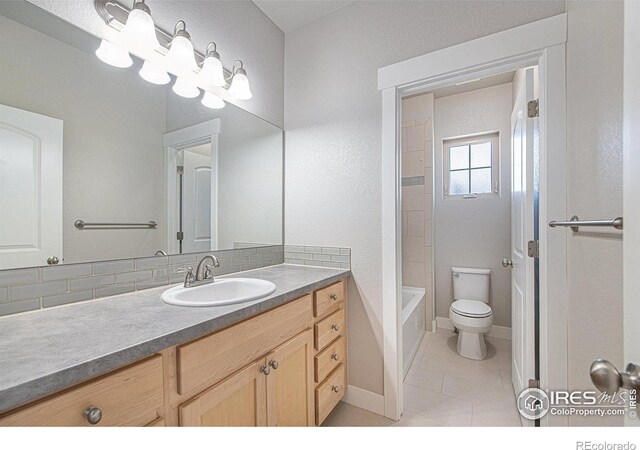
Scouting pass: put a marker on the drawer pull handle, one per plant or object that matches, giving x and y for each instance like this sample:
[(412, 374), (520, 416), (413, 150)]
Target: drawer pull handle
[(265, 370), (335, 327), (273, 364), (335, 388), (334, 296), (335, 357), (92, 414)]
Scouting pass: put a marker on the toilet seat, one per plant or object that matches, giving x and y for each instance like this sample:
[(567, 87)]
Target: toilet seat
[(471, 308)]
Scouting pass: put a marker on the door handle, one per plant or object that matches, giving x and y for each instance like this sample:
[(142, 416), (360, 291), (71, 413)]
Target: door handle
[(606, 377), (507, 263)]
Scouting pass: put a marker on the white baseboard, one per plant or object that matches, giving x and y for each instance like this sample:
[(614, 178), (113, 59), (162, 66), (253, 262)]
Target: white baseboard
[(498, 332), (364, 399)]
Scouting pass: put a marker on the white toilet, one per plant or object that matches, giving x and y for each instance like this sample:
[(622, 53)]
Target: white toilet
[(469, 312)]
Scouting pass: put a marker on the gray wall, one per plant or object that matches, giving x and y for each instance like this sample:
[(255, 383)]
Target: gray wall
[(239, 28), (474, 232), (333, 123), (105, 154), (594, 144)]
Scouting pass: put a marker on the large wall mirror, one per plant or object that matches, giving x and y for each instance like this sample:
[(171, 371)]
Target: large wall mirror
[(98, 164)]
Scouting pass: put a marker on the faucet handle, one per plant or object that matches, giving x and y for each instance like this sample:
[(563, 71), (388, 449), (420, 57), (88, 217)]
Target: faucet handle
[(208, 271), (189, 278)]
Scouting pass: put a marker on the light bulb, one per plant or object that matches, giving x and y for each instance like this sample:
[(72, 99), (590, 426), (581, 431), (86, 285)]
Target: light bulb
[(140, 31), (153, 74), (240, 85), (212, 73), (180, 57), (184, 88), (113, 55), (212, 101)]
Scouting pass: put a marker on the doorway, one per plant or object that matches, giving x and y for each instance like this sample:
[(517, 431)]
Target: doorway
[(539, 44), (191, 180)]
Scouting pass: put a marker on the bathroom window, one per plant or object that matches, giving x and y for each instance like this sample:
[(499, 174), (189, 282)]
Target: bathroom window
[(471, 166)]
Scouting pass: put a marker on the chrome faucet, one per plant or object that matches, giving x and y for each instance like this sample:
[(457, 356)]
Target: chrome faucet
[(204, 270), (203, 273)]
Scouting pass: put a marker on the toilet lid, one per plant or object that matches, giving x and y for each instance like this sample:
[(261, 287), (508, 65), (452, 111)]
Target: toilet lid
[(471, 308)]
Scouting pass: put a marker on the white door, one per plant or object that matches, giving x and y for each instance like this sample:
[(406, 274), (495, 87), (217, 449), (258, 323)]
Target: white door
[(196, 207), (522, 278), (30, 188)]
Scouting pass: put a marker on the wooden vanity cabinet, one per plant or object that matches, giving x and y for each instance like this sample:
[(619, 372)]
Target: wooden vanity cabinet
[(284, 367)]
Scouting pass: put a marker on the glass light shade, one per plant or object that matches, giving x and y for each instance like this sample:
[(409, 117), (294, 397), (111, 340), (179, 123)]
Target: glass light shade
[(180, 57), (113, 55), (140, 31), (240, 87), (185, 89), (212, 73), (153, 74), (212, 101)]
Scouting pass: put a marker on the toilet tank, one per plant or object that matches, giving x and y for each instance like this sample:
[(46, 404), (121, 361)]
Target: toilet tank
[(470, 283)]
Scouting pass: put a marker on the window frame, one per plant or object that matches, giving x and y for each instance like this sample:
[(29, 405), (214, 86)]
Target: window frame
[(447, 144)]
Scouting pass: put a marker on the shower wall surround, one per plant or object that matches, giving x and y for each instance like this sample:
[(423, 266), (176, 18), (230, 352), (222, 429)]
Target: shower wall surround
[(417, 196), (43, 287)]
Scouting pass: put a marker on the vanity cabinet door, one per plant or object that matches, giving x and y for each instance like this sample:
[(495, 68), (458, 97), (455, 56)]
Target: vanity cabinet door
[(237, 401), (290, 394)]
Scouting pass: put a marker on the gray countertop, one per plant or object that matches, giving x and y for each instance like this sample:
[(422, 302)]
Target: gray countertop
[(48, 350)]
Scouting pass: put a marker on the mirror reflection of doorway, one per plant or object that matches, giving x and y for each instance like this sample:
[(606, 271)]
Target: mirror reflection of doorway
[(195, 198)]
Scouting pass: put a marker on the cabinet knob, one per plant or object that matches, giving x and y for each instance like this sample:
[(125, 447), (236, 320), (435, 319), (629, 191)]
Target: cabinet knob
[(335, 327), (92, 414), (53, 260), (335, 388), (273, 364), (335, 357), (265, 370), (334, 296)]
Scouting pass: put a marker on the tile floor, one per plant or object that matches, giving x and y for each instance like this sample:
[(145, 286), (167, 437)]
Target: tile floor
[(444, 389)]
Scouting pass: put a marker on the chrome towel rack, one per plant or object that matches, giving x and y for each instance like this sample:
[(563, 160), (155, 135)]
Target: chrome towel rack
[(81, 225), (575, 223)]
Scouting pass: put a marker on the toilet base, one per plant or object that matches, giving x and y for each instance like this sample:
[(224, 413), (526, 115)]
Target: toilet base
[(471, 345)]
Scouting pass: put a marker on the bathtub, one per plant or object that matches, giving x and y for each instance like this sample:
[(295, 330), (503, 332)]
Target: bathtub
[(414, 316)]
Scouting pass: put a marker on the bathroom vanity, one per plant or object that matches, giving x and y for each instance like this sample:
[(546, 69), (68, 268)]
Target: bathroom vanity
[(279, 361)]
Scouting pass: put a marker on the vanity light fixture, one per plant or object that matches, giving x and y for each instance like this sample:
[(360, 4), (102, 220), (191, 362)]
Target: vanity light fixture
[(140, 31), (212, 72), (181, 57), (154, 74), (212, 101), (184, 88), (113, 55), (240, 83), (163, 53)]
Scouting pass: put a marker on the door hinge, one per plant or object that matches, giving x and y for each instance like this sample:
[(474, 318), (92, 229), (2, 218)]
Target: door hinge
[(534, 384), (179, 235), (533, 108), (533, 249), (180, 170)]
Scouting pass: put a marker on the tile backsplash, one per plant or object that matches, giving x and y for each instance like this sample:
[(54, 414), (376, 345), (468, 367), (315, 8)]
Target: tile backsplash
[(43, 287), (336, 257)]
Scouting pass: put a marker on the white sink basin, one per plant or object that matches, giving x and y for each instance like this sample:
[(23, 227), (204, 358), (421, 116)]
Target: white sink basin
[(224, 291)]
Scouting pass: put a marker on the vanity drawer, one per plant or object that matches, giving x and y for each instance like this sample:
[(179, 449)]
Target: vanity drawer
[(202, 363), (330, 358), (328, 299), (329, 329), (128, 397), (329, 393)]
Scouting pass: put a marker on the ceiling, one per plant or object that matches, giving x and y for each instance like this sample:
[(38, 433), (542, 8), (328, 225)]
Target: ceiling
[(290, 15), (486, 82)]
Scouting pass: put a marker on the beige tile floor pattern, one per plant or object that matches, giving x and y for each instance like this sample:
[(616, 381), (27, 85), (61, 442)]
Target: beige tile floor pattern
[(444, 389)]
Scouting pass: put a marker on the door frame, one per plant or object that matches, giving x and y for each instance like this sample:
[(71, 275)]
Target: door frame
[(202, 133), (540, 43), (631, 187)]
